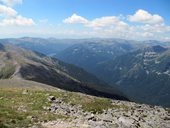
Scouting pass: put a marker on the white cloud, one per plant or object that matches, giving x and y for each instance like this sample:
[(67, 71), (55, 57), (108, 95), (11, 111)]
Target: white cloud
[(143, 16), (156, 28), (11, 2), (18, 20), (7, 11), (102, 22), (106, 27), (147, 34), (106, 22), (9, 17), (75, 19), (115, 26)]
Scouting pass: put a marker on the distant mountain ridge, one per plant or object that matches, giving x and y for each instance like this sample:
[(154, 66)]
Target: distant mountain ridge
[(141, 72), (143, 75), (45, 46), (138, 68), (89, 54), (18, 63)]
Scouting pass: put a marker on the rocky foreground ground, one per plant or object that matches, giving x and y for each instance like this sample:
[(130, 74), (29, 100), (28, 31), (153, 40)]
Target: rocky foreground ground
[(122, 115), (55, 108)]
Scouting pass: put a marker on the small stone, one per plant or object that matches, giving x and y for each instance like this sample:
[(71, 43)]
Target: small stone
[(34, 119), (25, 92), (167, 118), (126, 122), (107, 117), (90, 117), (34, 126), (29, 117), (51, 98)]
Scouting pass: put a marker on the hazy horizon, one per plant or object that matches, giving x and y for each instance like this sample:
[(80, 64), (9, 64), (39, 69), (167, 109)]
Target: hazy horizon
[(87, 38), (132, 20)]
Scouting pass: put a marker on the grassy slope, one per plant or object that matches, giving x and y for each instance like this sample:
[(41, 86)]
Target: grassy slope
[(16, 108), (24, 84)]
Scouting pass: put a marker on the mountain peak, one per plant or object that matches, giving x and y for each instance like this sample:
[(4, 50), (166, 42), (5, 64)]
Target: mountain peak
[(156, 48)]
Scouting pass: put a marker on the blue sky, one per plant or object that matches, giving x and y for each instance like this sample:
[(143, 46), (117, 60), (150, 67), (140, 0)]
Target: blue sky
[(129, 19)]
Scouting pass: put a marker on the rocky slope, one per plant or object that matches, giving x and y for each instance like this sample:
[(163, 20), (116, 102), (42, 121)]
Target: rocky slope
[(141, 72), (120, 115), (143, 75), (18, 63), (55, 108)]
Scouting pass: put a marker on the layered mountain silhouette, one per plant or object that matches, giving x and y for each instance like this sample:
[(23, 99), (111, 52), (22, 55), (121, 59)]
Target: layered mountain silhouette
[(142, 73), (18, 63), (92, 53), (139, 69)]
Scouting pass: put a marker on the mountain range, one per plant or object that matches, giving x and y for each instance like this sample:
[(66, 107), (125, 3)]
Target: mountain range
[(139, 70), (143, 75), (18, 63)]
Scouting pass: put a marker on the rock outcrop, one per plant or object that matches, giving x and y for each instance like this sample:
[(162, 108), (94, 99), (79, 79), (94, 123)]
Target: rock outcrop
[(122, 115)]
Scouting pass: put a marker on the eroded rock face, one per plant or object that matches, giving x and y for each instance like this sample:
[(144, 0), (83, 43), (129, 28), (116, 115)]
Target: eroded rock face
[(124, 115)]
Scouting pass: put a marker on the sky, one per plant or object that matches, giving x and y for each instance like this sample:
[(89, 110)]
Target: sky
[(126, 19)]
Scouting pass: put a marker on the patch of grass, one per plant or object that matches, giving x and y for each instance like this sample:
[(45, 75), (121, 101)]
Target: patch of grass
[(7, 71), (88, 103), (19, 110), (97, 105), (22, 110), (120, 106), (11, 118), (168, 110)]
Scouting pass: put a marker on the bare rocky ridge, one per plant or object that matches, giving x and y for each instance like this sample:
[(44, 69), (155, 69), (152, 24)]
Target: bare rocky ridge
[(18, 63), (123, 115)]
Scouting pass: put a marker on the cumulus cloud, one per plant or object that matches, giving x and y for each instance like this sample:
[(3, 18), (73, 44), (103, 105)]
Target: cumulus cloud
[(75, 19), (156, 28), (115, 26), (106, 22), (18, 20), (7, 11), (143, 16), (102, 22), (10, 17), (11, 2)]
